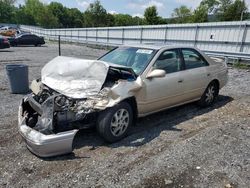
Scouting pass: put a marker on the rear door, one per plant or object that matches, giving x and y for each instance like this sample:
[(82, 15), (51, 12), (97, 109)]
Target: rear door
[(35, 39), (195, 76), (31, 39)]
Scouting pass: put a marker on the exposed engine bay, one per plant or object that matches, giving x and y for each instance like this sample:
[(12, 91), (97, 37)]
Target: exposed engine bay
[(50, 111)]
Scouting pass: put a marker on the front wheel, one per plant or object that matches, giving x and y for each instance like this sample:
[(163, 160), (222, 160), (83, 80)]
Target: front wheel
[(113, 123), (210, 95)]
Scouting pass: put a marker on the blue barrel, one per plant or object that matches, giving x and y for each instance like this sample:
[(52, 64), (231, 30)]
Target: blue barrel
[(18, 78)]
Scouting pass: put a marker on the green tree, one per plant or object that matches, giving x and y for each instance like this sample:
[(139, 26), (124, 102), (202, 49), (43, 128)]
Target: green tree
[(9, 1), (34, 12), (42, 15), (138, 21), (183, 14), (234, 11), (60, 12), (247, 15), (126, 20), (221, 8), (223, 5), (110, 20), (210, 5), (47, 19), (74, 18), (162, 20), (200, 14), (23, 17), (95, 15), (123, 19), (34, 8), (7, 11), (151, 15)]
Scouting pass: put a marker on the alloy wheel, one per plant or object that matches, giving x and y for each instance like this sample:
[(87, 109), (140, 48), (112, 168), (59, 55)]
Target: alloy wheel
[(119, 122), (210, 94)]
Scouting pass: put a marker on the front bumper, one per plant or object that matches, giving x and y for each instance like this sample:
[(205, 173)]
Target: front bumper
[(45, 145)]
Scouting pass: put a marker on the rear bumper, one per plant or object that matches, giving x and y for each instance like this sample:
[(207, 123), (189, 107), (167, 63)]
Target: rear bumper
[(45, 145)]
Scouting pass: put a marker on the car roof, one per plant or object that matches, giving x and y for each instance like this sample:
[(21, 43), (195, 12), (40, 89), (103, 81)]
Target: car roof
[(156, 46)]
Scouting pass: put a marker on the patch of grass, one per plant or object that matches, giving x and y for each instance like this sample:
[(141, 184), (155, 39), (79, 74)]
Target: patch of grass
[(240, 65)]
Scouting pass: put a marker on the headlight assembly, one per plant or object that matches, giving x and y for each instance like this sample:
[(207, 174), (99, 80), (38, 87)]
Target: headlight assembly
[(63, 102)]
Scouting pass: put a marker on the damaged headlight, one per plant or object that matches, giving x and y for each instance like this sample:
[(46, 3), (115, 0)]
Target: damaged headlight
[(63, 102), (82, 106), (43, 95), (94, 102), (74, 105)]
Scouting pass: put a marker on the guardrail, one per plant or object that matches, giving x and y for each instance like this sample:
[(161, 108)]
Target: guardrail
[(227, 39), (229, 55)]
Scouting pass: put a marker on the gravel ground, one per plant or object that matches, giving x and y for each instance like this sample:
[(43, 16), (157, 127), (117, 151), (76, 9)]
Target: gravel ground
[(183, 147)]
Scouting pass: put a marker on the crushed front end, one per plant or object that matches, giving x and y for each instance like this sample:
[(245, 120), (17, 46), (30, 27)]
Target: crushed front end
[(48, 121), (69, 96)]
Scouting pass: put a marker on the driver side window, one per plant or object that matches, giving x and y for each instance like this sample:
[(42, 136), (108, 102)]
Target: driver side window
[(169, 61)]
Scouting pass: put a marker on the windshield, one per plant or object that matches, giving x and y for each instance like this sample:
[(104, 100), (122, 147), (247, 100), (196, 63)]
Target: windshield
[(135, 58)]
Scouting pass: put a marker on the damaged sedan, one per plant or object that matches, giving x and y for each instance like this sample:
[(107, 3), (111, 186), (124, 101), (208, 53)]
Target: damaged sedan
[(111, 92)]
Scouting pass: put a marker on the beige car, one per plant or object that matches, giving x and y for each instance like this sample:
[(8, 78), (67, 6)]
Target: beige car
[(111, 92)]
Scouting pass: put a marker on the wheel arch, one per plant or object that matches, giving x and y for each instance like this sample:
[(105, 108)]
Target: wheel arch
[(132, 102), (216, 81)]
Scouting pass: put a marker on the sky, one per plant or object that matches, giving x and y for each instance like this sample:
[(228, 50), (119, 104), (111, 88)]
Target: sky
[(132, 7)]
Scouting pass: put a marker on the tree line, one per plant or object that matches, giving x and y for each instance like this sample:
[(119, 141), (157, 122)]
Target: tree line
[(55, 15)]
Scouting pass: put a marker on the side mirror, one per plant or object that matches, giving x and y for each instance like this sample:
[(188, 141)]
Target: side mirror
[(157, 73)]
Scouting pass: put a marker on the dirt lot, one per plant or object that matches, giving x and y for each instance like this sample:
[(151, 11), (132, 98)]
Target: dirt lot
[(182, 147)]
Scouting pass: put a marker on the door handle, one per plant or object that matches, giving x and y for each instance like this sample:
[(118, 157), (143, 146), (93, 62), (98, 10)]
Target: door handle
[(180, 81)]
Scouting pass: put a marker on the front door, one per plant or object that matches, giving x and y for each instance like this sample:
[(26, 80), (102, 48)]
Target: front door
[(163, 92)]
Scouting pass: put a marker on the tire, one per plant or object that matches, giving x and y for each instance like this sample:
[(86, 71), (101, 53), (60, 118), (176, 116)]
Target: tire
[(113, 123), (210, 95), (37, 45)]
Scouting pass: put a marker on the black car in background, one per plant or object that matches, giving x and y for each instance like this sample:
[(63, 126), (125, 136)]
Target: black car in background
[(27, 39), (4, 43)]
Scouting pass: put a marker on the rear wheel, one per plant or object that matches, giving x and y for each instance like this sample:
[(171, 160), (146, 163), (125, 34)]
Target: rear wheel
[(210, 95), (113, 123)]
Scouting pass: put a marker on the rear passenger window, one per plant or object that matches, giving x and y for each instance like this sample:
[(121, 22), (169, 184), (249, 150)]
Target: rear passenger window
[(193, 59), (168, 61)]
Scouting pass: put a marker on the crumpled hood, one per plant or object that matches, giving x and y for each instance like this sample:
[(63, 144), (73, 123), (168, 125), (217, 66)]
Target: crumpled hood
[(75, 78)]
